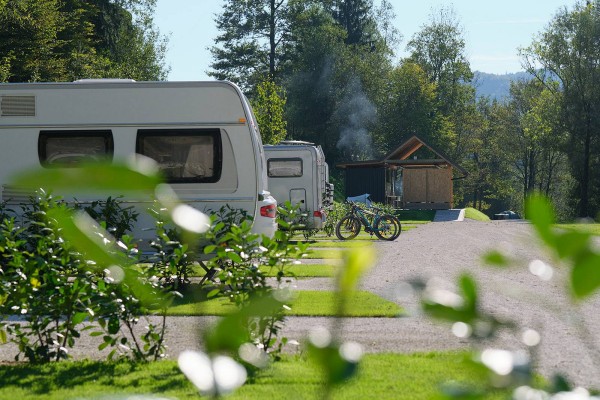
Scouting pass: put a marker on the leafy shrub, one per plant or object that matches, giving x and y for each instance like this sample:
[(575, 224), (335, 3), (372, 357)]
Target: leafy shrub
[(173, 262), (45, 282), (55, 289), (112, 215)]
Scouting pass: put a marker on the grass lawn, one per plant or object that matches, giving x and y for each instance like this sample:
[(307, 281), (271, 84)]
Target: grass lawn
[(298, 271), (380, 376), (307, 303), (306, 270), (415, 216), (325, 254), (594, 229), (477, 215)]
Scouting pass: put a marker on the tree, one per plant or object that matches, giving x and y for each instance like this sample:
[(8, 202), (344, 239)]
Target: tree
[(439, 49), (409, 107), (356, 18), (253, 41), (568, 51), (268, 105), (51, 40)]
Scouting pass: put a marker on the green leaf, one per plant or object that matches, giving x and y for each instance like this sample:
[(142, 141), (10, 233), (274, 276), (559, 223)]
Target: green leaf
[(103, 177), (570, 244), (3, 338), (495, 258), (539, 211), (585, 276), (79, 318), (469, 289), (357, 262), (233, 256)]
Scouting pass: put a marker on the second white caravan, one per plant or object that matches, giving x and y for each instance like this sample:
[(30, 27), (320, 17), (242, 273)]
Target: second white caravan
[(203, 136), (298, 173)]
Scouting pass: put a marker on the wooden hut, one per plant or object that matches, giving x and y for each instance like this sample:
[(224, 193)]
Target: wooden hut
[(414, 176)]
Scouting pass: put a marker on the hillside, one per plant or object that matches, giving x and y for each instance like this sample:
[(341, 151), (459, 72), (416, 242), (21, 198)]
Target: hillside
[(496, 86)]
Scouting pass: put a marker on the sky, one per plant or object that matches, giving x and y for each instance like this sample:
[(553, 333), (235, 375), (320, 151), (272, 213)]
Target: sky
[(493, 30)]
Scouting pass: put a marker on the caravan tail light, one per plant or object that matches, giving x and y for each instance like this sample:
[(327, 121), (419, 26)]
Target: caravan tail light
[(318, 214), (269, 211)]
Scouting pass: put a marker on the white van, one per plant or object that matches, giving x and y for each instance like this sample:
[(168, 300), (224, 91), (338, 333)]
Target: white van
[(298, 173), (203, 136)]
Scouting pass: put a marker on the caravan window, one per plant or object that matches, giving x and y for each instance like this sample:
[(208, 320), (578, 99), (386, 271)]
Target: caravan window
[(183, 155), (284, 167), (71, 148)]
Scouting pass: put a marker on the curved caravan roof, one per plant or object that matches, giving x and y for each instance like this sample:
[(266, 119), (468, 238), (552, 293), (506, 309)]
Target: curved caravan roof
[(123, 102)]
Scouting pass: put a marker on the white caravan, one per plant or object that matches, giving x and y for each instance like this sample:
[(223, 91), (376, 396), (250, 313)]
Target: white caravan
[(298, 173), (203, 135)]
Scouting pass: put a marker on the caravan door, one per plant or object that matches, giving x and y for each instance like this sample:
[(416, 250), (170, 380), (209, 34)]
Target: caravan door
[(298, 196)]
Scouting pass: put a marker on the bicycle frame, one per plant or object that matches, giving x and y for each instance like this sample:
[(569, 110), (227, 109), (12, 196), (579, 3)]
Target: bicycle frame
[(361, 215)]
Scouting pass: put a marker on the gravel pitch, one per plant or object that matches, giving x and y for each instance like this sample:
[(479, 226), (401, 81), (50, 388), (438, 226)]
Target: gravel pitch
[(445, 250)]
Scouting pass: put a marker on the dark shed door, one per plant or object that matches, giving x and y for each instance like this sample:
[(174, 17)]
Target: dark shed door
[(366, 180)]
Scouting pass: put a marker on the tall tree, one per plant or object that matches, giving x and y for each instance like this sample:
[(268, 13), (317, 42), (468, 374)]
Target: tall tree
[(408, 107), (269, 106), (568, 51), (439, 48), (357, 19), (253, 39)]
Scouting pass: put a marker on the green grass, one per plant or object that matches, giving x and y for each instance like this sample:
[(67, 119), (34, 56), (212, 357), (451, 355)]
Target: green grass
[(593, 229), (307, 303), (325, 254), (299, 271), (306, 270), (477, 215), (380, 376), (415, 216)]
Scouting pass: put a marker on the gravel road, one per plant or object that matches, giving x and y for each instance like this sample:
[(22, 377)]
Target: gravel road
[(445, 250)]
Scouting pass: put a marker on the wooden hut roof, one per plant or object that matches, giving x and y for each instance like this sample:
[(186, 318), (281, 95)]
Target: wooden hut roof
[(400, 157)]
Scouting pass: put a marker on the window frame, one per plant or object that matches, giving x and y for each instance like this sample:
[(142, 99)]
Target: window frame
[(215, 133), (45, 135), (285, 159)]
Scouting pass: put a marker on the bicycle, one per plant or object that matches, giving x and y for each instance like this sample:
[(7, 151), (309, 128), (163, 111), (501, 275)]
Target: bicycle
[(384, 226)]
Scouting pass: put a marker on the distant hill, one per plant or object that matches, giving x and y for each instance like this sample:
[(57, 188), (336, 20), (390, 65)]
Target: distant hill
[(496, 86)]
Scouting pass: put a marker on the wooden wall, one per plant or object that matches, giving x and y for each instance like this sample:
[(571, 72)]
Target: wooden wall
[(366, 180), (427, 188)]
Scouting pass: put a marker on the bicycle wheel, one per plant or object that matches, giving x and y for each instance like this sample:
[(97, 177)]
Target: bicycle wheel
[(388, 227), (347, 228)]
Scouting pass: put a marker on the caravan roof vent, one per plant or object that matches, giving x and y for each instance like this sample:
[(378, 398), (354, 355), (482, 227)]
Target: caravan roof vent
[(17, 106)]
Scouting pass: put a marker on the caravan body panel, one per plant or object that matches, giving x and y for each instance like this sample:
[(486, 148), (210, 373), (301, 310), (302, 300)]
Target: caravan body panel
[(297, 172), (203, 135)]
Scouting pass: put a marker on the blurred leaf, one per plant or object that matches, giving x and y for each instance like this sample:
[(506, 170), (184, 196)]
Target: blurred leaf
[(3, 338), (539, 211), (495, 258), (90, 177), (336, 368), (82, 236), (569, 244), (357, 262), (560, 384), (232, 330), (469, 289), (585, 276)]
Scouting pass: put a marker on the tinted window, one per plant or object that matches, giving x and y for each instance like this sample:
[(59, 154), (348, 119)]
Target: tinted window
[(71, 148), (184, 155), (284, 167)]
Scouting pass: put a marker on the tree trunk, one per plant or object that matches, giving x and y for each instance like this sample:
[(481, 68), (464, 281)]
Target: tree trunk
[(272, 41)]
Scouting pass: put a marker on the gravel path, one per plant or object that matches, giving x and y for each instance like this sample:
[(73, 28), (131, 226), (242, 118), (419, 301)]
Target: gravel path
[(445, 250)]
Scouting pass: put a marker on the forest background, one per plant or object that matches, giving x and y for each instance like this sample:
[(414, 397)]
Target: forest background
[(328, 72)]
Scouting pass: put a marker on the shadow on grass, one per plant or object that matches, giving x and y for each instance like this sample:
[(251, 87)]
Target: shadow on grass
[(44, 379)]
